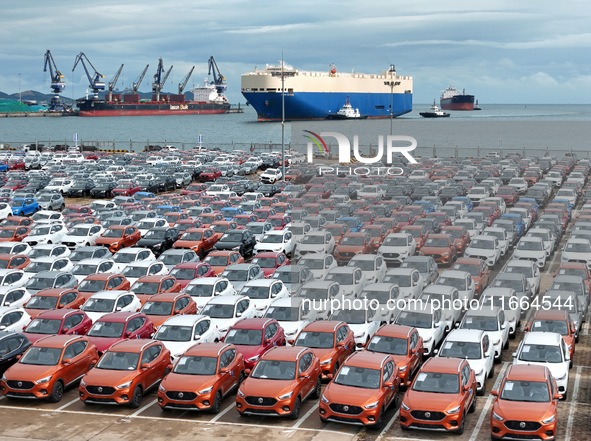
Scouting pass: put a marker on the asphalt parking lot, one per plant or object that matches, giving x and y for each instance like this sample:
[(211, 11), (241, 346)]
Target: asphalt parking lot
[(70, 419)]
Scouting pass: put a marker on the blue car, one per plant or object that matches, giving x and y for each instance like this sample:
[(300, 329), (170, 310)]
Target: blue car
[(3, 167), (354, 223), (517, 220), (163, 209), (466, 200), (24, 206), (428, 206), (230, 212), (143, 195)]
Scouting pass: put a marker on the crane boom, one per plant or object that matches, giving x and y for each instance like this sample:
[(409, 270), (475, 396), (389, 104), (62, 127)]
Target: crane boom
[(113, 82), (218, 79), (57, 82), (139, 80), (94, 80), (159, 81), (183, 83)]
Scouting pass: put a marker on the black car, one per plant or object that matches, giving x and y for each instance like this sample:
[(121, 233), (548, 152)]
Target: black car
[(268, 190), (240, 240), (80, 188), (103, 189), (149, 185), (159, 239), (346, 191), (12, 344), (166, 182)]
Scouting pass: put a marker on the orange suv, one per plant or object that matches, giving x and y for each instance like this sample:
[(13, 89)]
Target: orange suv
[(363, 389), (203, 376), (48, 367), (441, 395), (280, 382), (525, 405), (125, 372), (331, 341)]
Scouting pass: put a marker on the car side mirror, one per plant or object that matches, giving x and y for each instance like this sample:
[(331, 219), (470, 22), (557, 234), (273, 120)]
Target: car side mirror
[(503, 326), (514, 354), (494, 393), (303, 376), (247, 372), (65, 329), (144, 366), (66, 361), (388, 384), (435, 351), (340, 344), (457, 325), (238, 314), (557, 396)]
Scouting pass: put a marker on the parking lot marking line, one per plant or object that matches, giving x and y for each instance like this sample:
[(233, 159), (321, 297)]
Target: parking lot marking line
[(222, 413), (487, 404), (305, 417), (585, 330), (389, 425), (573, 404), (136, 413), (75, 400)]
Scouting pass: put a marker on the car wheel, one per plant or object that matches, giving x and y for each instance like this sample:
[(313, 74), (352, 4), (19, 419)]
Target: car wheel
[(136, 399), (295, 413), (472, 408), (217, 402), (57, 393), (379, 422), (317, 389), (491, 373), (460, 430)]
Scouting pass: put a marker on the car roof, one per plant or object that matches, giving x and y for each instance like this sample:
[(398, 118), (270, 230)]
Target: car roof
[(284, 353), (527, 372), (184, 319), (57, 341), (252, 323), (207, 349), (442, 364), (322, 326), (465, 335), (454, 274), (226, 300), (132, 345), (120, 317), (394, 330), (113, 294), (551, 314), (542, 338), (166, 297), (367, 359)]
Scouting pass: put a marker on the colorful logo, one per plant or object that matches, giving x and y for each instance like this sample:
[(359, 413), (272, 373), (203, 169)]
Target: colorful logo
[(317, 139)]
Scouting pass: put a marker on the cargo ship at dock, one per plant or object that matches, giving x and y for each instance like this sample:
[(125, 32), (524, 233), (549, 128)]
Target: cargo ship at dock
[(310, 95), (207, 99), (452, 99)]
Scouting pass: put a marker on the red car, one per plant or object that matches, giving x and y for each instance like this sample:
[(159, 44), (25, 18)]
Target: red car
[(54, 298), (14, 234), (269, 262), (253, 337), (279, 221), (126, 189), (58, 322), (210, 174), (119, 236), (117, 326), (148, 286), (14, 261), (243, 219), (161, 307), (185, 272), (419, 232), (17, 221)]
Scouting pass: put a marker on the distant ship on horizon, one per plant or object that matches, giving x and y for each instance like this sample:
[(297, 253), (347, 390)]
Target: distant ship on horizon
[(452, 99)]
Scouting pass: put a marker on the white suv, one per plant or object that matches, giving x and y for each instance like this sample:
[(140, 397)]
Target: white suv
[(271, 175)]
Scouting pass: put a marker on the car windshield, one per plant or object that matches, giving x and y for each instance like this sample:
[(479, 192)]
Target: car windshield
[(170, 259), (256, 292), (155, 234), (395, 242), (528, 245), (145, 287), (196, 365), (44, 326), (42, 302), (219, 311), (42, 356), (125, 257), (84, 269), (455, 282), (398, 279), (157, 308), (39, 231), (79, 231), (437, 383), (283, 313), (362, 264), (481, 323), (350, 316), (381, 297), (199, 290), (314, 263), (341, 278), (460, 349), (192, 236), (135, 271), (183, 273), (415, 319), (482, 244), (313, 293), (246, 337), (527, 271), (287, 276), (119, 361), (106, 330), (235, 275), (217, 260), (314, 239), (274, 370), (77, 256), (99, 305), (578, 247), (517, 285), (272, 238), (39, 283), (37, 267), (265, 262), (353, 240), (540, 353), (358, 377), (558, 326), (231, 237), (317, 340), (421, 266), (173, 333), (529, 391), (91, 286), (113, 233), (388, 345)]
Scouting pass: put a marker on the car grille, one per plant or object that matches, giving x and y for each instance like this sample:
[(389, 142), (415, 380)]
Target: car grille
[(182, 406), (527, 425), (348, 410), (345, 420), (21, 394), (346, 254), (101, 400), (100, 390), (262, 411), (428, 426), (70, 244), (32, 243), (426, 415), (15, 384), (260, 401), (391, 255), (184, 396)]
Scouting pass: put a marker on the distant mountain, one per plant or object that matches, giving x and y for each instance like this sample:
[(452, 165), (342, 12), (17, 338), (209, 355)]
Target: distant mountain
[(33, 95)]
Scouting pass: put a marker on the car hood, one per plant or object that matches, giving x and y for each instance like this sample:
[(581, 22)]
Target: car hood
[(353, 396), (34, 337), (290, 328), (108, 377), (349, 248), (177, 348), (186, 243), (249, 351), (190, 383), (324, 354), (438, 402), (263, 386), (522, 410), (227, 245), (103, 343), (107, 240), (94, 316), (148, 242), (29, 372), (157, 320), (393, 249), (435, 250)]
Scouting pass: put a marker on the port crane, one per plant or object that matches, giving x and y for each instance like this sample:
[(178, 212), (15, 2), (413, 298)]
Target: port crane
[(159, 80), (112, 84), (95, 80), (218, 79), (135, 86), (183, 83), (57, 83)]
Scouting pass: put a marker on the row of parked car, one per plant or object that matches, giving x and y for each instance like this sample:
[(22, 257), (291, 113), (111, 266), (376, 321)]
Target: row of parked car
[(343, 249)]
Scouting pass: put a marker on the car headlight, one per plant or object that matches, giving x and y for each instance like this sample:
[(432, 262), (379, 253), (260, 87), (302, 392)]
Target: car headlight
[(453, 411), (326, 362), (205, 391), (427, 340), (240, 393), (359, 335), (549, 420), (223, 330), (161, 388), (285, 396), (324, 399), (479, 372), (3, 377), (496, 342), (402, 368), (404, 406), (497, 417), (124, 385), (372, 405), (561, 378), (82, 383), (43, 380), (253, 359)]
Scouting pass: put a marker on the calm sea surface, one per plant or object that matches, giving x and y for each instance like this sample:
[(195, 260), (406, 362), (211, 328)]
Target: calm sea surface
[(536, 128)]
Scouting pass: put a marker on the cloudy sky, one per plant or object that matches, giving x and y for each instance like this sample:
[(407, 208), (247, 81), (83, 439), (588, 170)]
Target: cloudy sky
[(502, 51)]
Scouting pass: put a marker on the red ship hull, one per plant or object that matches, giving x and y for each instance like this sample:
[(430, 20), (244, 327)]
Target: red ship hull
[(147, 112)]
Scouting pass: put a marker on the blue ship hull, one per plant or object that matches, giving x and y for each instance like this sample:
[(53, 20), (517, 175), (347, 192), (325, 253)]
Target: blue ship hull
[(320, 105)]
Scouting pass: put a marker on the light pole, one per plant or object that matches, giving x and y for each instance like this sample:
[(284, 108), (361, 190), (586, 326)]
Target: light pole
[(20, 97), (282, 121), (391, 83)]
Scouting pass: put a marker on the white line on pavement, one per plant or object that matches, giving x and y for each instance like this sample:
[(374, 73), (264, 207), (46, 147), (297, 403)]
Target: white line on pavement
[(489, 401), (75, 400), (290, 433), (221, 414), (573, 404), (137, 412), (390, 423)]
